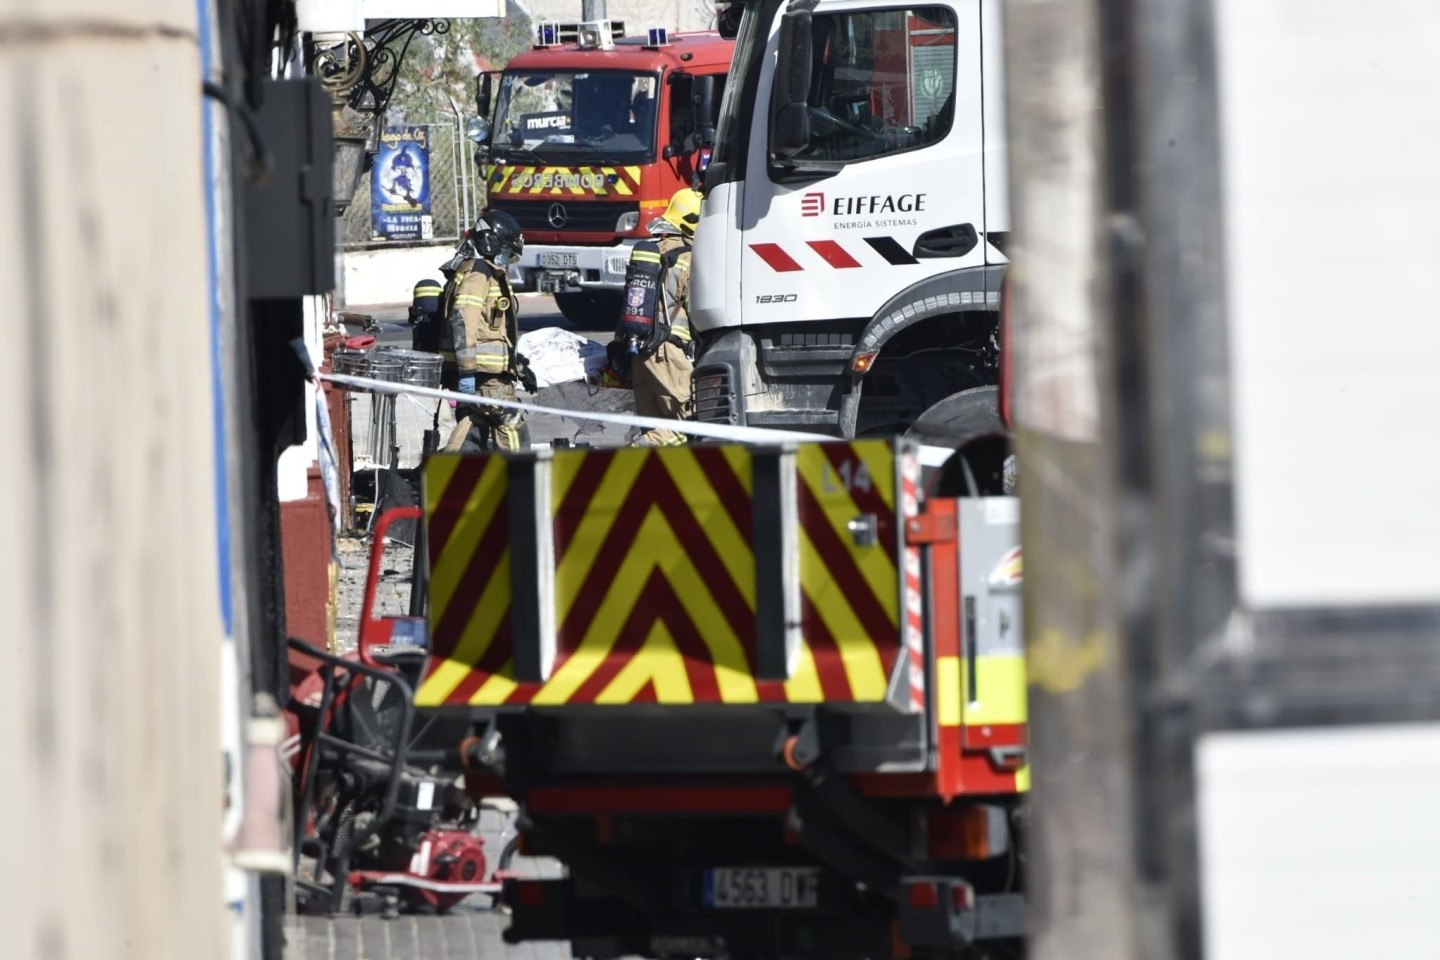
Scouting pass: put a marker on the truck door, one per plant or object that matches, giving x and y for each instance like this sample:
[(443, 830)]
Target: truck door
[(889, 188), (715, 270)]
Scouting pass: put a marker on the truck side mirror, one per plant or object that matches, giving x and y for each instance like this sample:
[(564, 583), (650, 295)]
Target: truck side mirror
[(482, 95), (789, 99), (704, 110)]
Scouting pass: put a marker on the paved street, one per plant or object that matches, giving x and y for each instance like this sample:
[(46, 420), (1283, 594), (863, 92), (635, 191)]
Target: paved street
[(467, 933)]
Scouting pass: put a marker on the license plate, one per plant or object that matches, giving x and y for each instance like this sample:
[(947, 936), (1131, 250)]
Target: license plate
[(559, 260), (772, 888)]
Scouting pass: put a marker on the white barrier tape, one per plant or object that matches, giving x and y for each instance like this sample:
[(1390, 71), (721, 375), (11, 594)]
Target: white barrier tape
[(437, 886), (929, 456)]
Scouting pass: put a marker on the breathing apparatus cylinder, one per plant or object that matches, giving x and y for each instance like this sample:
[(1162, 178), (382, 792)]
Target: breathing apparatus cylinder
[(638, 323)]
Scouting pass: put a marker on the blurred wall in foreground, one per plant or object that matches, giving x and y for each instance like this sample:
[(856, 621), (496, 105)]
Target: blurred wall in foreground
[(109, 744)]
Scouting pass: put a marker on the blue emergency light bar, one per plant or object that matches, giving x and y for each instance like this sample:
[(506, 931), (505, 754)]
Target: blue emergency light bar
[(659, 37), (590, 35)]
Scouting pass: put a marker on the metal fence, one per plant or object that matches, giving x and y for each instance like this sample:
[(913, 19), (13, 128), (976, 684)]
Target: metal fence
[(456, 188)]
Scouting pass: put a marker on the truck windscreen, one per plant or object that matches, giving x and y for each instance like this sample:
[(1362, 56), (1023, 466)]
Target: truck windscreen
[(599, 116)]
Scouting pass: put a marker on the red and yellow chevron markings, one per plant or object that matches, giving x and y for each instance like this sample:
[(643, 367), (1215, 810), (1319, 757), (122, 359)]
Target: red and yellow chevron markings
[(654, 580), (525, 181), (467, 538), (850, 595)]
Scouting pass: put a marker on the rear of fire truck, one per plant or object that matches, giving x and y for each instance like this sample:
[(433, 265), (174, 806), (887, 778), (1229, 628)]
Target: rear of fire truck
[(760, 701), (589, 135)]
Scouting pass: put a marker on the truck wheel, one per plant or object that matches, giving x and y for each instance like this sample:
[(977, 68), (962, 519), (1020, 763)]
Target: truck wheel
[(969, 423), (590, 310), (960, 418)]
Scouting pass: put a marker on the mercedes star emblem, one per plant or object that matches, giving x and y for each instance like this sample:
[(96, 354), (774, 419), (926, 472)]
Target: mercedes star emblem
[(556, 216)]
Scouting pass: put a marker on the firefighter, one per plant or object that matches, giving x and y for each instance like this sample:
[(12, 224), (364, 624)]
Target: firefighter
[(655, 325), (481, 328)]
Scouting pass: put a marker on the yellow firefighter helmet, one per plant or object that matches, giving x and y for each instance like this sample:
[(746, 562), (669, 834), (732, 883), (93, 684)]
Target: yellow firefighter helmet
[(684, 212)]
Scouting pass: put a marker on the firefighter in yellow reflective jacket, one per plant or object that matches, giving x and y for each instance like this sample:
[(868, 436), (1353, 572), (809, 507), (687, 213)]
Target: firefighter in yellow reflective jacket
[(655, 324), (481, 329)]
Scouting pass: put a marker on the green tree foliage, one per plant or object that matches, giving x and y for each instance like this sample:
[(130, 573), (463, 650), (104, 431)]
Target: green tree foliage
[(441, 68)]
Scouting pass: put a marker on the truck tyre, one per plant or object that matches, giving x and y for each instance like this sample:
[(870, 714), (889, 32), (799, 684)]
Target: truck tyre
[(590, 309), (969, 423), (960, 418)]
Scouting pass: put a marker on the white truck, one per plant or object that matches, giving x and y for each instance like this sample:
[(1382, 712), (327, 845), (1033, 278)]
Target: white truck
[(849, 257)]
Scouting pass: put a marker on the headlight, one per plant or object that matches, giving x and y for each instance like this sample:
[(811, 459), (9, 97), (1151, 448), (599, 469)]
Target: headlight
[(627, 222)]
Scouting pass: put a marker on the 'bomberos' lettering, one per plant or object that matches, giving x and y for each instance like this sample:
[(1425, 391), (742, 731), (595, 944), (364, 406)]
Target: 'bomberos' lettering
[(565, 179)]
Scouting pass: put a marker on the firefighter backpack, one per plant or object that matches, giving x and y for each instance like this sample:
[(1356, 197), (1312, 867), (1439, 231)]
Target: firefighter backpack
[(641, 324)]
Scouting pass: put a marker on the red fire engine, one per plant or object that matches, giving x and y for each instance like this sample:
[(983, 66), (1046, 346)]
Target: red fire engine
[(587, 138)]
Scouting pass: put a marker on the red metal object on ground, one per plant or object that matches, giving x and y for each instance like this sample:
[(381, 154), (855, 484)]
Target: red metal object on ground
[(447, 867)]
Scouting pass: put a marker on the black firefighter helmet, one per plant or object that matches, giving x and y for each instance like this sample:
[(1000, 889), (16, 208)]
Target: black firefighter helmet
[(498, 237)]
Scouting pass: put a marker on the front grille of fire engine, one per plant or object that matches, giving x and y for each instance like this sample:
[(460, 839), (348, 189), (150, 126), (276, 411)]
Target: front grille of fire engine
[(714, 401), (590, 216)]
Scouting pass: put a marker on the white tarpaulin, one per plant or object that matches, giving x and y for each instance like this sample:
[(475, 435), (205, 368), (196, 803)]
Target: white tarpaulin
[(559, 356)]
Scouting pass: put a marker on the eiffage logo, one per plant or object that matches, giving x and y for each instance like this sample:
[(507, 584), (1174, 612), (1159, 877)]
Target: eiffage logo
[(812, 204)]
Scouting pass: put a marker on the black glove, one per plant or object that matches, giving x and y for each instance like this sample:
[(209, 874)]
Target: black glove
[(618, 353), (525, 375)]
